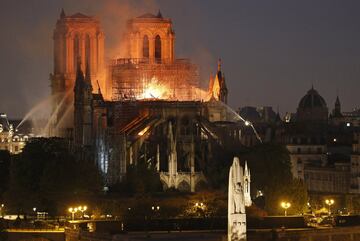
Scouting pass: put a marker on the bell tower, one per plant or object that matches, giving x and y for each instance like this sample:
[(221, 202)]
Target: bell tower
[(76, 37), (151, 38)]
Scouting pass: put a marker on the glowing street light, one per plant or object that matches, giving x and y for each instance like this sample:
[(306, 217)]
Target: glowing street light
[(72, 211), (82, 209), (285, 206), (329, 202), (157, 208), (2, 209)]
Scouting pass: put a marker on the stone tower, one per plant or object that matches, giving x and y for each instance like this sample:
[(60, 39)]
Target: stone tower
[(150, 37), (75, 37)]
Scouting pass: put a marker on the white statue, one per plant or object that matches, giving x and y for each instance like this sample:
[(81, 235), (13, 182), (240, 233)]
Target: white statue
[(236, 203)]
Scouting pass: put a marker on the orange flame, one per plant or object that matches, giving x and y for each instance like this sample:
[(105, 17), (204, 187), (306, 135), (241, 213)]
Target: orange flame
[(155, 90)]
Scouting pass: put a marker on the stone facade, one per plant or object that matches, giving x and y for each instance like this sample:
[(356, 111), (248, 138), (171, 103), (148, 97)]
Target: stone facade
[(77, 38)]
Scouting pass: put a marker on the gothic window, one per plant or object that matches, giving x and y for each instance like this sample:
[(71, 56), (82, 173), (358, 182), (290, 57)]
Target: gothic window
[(157, 48), (76, 50), (87, 50), (146, 47)]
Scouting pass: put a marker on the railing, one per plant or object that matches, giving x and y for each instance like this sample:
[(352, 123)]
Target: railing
[(122, 61)]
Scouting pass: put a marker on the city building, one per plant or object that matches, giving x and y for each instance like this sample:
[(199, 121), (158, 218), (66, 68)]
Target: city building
[(355, 164), (10, 139), (322, 147)]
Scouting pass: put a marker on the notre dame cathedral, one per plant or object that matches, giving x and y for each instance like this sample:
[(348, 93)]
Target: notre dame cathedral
[(145, 106)]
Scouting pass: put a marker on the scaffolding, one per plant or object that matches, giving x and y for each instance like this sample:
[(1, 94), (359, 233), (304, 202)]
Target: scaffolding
[(131, 77)]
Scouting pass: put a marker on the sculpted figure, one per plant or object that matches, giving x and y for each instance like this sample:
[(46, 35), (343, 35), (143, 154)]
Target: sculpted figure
[(236, 203), (239, 201)]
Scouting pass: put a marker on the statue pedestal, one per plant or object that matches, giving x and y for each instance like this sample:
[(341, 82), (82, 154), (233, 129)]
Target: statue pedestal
[(237, 227)]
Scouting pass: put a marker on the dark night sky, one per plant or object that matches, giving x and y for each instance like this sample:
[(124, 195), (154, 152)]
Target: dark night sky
[(272, 51)]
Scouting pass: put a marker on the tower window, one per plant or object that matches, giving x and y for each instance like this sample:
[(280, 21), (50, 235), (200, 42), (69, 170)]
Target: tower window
[(76, 50), (157, 48), (146, 47), (87, 50)]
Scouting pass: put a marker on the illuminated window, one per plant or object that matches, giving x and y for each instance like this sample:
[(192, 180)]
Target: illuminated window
[(146, 47), (158, 48)]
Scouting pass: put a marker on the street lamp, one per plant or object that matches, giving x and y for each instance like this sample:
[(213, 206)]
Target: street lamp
[(329, 202), (285, 206), (82, 209), (157, 208), (72, 211), (199, 205), (34, 209), (2, 209)]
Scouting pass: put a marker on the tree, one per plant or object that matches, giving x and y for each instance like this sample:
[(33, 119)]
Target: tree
[(3, 233), (270, 168), (142, 178), (271, 173), (5, 160), (46, 173)]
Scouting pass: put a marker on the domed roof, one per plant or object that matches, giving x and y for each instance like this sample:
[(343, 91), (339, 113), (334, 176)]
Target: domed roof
[(312, 99)]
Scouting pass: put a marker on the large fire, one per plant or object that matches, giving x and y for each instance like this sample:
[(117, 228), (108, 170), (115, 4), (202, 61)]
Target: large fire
[(155, 90)]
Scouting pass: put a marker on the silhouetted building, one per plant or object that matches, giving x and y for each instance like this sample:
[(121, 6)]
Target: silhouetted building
[(312, 107)]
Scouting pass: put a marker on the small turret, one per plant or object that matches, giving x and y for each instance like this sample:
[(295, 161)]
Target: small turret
[(337, 109), (62, 14), (159, 15)]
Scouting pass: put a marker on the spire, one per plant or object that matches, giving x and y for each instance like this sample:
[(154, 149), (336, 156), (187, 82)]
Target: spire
[(79, 73), (337, 102), (223, 83), (62, 14), (246, 169), (219, 64), (277, 118), (87, 73), (159, 15), (337, 109)]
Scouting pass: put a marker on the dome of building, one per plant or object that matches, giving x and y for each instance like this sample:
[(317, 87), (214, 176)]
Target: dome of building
[(312, 107), (312, 99)]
